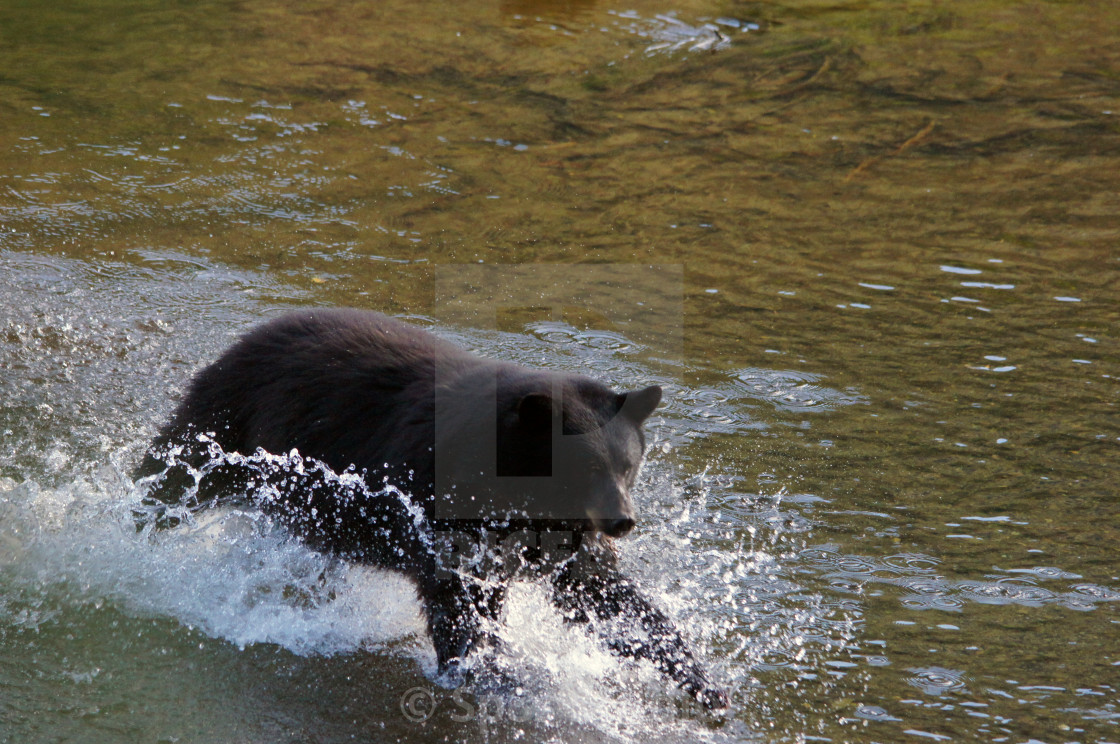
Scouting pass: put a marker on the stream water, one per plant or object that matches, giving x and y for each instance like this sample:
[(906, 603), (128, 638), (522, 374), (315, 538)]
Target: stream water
[(871, 250)]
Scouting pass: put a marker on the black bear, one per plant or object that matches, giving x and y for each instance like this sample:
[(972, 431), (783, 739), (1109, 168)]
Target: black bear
[(400, 450)]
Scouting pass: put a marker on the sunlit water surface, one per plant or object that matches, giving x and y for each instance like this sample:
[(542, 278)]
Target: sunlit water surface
[(880, 498)]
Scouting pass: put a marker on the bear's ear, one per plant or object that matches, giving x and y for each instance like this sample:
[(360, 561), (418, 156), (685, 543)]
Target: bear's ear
[(638, 406), (534, 411)]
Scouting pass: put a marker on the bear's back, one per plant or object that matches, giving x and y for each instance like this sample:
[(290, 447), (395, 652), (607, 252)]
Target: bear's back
[(340, 385)]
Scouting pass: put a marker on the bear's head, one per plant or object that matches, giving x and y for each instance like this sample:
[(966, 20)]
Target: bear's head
[(555, 452)]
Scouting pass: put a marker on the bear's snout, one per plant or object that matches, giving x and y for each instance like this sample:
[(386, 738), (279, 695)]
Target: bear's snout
[(615, 522), (610, 509), (618, 527)]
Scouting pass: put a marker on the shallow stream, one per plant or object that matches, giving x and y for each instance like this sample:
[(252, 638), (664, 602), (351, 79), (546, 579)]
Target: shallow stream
[(870, 249)]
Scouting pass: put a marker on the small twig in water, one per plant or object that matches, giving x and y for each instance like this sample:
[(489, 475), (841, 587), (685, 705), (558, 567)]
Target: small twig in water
[(921, 134)]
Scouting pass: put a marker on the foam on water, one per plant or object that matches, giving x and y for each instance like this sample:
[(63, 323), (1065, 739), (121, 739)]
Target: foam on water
[(234, 575), (231, 573)]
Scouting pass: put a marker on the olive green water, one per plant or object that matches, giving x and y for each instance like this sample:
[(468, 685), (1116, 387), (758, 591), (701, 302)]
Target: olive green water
[(883, 496)]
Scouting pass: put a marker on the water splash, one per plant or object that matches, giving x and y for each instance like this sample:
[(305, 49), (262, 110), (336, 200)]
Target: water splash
[(716, 557)]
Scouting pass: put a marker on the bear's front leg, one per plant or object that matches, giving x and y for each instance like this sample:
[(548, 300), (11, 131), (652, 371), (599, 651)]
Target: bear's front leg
[(182, 471), (590, 586)]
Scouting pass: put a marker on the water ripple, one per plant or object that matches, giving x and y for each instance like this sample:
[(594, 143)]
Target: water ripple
[(670, 34), (924, 589), (874, 713), (792, 391), (695, 410), (937, 680)]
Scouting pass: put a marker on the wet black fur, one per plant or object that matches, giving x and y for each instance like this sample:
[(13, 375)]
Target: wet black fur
[(518, 449)]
